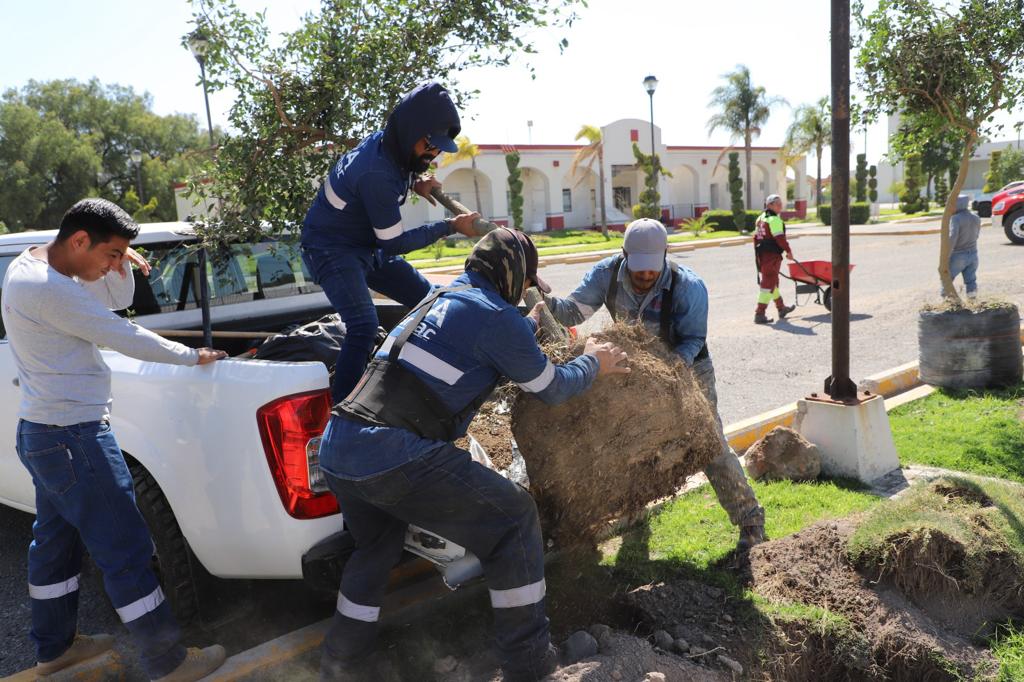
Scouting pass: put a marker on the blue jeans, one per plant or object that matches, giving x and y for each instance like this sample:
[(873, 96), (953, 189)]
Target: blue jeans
[(85, 500), (965, 263), (448, 494), (346, 276)]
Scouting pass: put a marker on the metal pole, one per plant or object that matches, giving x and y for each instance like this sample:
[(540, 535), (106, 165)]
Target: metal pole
[(206, 98), (138, 181), (204, 299), (838, 385), (204, 290), (652, 125)]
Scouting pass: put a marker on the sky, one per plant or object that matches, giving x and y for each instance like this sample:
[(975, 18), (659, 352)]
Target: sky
[(687, 44)]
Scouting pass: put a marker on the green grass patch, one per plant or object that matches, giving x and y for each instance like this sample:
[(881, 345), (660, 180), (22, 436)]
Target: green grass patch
[(692, 533), (456, 255), (975, 432), (1008, 648), (954, 533)]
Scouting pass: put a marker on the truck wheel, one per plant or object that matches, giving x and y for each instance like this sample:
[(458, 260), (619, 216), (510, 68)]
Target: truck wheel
[(1013, 226), (175, 566)]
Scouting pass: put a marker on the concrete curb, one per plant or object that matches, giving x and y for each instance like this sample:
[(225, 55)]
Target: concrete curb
[(745, 433), (269, 654)]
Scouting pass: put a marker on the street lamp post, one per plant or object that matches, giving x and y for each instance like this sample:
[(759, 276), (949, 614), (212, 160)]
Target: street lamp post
[(198, 44), (137, 160), (650, 85)]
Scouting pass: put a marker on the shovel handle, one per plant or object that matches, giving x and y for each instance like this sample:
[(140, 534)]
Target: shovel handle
[(481, 226)]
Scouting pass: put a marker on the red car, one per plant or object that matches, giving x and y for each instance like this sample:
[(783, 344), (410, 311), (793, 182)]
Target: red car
[(1008, 208)]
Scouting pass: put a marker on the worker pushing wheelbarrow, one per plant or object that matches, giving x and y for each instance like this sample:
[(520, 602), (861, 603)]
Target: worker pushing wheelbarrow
[(770, 244)]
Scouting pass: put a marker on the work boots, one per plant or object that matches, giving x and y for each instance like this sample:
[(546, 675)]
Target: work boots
[(761, 318), (750, 536), (82, 649), (538, 670), (198, 664), (786, 310)]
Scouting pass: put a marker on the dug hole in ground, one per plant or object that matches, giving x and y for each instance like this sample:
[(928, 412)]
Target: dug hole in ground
[(909, 590)]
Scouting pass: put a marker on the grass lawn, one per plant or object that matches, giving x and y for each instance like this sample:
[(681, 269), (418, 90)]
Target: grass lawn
[(549, 245), (692, 533), (975, 432)]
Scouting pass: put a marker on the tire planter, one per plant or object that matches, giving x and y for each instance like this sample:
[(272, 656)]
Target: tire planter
[(970, 348)]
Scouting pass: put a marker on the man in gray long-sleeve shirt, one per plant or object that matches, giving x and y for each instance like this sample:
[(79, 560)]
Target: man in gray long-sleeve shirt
[(57, 302), (964, 228)]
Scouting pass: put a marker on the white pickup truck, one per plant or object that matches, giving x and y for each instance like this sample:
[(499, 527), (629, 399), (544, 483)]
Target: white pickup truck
[(224, 456)]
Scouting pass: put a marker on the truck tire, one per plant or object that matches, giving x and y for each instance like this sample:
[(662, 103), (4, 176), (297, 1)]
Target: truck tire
[(970, 349), (176, 567), (1013, 226)]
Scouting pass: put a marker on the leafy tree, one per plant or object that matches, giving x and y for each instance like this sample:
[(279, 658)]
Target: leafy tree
[(467, 150), (896, 189), (939, 153), (739, 215), (306, 97), (1011, 166), (64, 140), (950, 65), (742, 109), (592, 153), (811, 131), (515, 190), (873, 183), (650, 198), (861, 175)]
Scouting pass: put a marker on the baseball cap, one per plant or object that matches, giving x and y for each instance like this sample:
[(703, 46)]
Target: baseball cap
[(445, 139), (771, 199), (645, 244)]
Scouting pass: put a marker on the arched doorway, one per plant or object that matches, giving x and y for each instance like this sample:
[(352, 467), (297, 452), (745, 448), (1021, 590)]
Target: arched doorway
[(460, 186), (536, 193)]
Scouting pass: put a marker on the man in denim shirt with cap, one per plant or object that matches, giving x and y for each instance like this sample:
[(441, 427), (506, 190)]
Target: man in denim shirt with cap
[(638, 285)]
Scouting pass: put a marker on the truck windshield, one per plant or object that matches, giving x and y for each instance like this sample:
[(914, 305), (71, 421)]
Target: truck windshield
[(242, 272)]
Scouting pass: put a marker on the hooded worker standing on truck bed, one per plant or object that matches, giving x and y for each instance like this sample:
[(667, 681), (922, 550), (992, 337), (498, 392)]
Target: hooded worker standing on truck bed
[(672, 301), (353, 233), (769, 244), (389, 455), (57, 302)]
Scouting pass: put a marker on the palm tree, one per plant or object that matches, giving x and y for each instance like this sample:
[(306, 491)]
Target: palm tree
[(811, 130), (467, 150), (743, 109), (586, 156)]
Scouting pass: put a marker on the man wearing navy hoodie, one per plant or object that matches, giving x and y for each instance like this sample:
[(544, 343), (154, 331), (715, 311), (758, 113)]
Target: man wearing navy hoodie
[(353, 235)]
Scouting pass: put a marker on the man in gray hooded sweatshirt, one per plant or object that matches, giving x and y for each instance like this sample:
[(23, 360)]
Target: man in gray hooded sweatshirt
[(964, 227)]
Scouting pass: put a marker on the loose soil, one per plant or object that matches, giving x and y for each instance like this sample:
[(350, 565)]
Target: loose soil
[(492, 428), (629, 440), (882, 633)]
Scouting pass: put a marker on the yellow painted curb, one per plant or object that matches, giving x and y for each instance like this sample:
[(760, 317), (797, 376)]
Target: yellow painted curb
[(270, 654)]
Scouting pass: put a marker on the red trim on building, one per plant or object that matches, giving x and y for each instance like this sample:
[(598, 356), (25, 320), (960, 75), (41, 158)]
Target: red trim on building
[(686, 148), (634, 135), (699, 210), (501, 222), (801, 208), (528, 147), (555, 222)]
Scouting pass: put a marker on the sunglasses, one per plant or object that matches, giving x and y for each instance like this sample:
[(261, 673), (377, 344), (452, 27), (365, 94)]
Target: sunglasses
[(430, 148)]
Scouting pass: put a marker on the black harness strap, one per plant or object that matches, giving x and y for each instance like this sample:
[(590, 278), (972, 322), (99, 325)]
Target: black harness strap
[(665, 318)]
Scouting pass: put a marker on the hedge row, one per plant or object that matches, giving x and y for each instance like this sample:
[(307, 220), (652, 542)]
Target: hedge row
[(723, 220), (860, 213)]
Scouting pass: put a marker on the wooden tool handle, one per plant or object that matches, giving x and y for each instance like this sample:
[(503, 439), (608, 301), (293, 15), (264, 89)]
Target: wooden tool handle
[(552, 328), (481, 226)]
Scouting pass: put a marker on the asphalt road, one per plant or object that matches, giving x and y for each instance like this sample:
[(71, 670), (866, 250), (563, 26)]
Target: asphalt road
[(763, 367), (758, 368)]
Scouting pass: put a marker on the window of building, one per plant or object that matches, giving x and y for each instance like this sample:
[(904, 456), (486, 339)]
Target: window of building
[(566, 201), (623, 198)]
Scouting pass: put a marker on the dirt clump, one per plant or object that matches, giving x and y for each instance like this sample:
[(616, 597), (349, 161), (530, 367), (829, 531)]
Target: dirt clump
[(492, 429), (854, 629), (631, 439), (781, 454)]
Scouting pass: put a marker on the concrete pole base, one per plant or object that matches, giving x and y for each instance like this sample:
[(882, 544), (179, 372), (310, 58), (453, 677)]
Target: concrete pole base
[(855, 441)]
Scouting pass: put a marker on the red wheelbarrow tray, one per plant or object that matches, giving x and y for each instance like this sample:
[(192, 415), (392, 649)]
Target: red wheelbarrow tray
[(812, 271)]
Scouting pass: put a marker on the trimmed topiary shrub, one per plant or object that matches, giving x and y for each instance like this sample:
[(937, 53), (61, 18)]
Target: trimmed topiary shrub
[(825, 213), (860, 212), (720, 220)]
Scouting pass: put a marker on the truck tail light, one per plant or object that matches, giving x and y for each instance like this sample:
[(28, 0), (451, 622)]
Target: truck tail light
[(291, 428)]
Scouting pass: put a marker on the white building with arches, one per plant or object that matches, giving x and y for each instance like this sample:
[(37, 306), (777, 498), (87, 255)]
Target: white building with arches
[(553, 199)]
